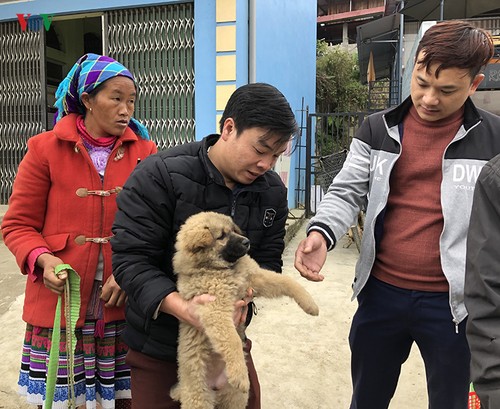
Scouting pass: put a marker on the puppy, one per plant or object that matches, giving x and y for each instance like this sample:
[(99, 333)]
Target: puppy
[(211, 258)]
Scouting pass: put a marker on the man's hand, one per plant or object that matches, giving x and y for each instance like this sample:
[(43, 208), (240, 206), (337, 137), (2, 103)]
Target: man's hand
[(241, 308), (185, 310), (112, 294), (310, 256)]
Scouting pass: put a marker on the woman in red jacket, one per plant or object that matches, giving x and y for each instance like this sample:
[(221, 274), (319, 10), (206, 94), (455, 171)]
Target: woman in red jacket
[(61, 212)]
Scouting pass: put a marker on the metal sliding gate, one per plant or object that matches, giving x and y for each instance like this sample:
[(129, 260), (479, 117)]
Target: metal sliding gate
[(155, 43), (22, 97)]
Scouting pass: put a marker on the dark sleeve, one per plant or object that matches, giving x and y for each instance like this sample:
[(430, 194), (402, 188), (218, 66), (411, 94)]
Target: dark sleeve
[(142, 243), (482, 287)]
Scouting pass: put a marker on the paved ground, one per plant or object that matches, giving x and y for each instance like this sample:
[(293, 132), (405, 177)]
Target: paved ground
[(302, 361), (11, 326)]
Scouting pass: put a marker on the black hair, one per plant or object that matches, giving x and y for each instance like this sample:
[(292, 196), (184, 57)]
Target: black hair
[(264, 106)]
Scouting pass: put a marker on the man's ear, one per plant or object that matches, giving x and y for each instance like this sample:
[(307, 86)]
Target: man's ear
[(228, 128), (475, 83)]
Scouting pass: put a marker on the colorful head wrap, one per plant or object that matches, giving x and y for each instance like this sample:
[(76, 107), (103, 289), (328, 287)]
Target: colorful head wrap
[(90, 71)]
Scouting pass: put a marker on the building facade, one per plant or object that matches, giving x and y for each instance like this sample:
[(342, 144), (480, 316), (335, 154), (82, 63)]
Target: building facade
[(187, 56)]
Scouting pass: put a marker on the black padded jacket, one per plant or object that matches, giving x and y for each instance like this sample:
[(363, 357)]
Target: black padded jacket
[(160, 194), (482, 291)]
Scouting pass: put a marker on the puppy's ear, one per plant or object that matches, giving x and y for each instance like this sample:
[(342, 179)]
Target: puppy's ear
[(200, 239)]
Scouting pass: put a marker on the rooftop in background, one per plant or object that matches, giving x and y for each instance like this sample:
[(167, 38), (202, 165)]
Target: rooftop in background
[(332, 14), (374, 28), (428, 10)]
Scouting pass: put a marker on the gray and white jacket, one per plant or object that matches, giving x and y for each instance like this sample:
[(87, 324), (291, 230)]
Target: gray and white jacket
[(363, 182)]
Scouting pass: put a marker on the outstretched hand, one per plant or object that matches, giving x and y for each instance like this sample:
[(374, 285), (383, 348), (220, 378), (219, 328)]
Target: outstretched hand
[(310, 256)]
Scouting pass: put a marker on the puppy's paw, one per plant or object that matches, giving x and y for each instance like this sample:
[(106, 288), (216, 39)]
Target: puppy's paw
[(175, 392), (310, 307)]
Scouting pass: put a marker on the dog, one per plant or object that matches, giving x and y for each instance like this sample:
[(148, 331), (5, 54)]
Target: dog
[(211, 258)]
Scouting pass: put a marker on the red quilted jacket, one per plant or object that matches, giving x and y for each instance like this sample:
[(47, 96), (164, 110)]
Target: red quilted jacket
[(60, 202)]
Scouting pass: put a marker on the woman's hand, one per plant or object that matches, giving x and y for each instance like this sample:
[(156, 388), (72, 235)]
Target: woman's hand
[(112, 294), (48, 263)]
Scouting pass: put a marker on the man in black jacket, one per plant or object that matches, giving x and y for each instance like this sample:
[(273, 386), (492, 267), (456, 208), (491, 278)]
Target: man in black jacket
[(482, 292), (230, 173)]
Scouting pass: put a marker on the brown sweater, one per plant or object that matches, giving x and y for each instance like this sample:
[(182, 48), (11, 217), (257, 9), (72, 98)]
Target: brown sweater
[(408, 254)]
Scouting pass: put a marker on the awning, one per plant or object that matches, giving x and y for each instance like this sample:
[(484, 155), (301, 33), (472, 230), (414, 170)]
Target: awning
[(380, 37), (448, 9)]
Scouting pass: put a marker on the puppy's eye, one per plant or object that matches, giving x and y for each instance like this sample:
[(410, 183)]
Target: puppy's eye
[(222, 235)]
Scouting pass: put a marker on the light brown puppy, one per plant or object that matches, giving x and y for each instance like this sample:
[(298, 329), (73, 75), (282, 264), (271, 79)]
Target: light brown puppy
[(211, 258)]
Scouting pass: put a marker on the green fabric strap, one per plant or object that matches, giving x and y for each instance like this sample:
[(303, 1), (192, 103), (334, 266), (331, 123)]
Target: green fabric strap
[(71, 314)]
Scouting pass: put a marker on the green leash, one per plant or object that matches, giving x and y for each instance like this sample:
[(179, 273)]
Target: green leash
[(71, 314)]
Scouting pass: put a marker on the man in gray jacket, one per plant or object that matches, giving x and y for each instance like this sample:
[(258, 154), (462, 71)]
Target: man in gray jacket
[(482, 285), (413, 168)]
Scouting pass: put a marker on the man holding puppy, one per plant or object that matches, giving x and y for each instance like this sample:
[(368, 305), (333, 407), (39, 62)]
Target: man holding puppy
[(228, 173)]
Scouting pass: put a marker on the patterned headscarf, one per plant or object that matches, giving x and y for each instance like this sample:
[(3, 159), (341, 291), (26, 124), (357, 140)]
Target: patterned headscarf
[(90, 71)]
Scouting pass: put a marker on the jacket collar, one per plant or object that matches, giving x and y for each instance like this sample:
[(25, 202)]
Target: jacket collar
[(395, 116), (65, 130)]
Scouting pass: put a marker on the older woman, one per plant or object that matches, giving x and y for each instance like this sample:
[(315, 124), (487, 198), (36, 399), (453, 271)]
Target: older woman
[(60, 212)]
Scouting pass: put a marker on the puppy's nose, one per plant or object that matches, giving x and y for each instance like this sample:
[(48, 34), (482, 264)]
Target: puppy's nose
[(246, 242)]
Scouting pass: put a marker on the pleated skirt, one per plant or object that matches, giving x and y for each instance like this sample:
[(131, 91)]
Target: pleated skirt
[(101, 374)]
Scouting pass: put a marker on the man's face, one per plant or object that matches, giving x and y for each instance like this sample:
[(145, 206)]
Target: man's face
[(248, 155), (438, 98)]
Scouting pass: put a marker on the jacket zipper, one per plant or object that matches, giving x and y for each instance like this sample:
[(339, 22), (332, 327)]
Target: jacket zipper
[(233, 206)]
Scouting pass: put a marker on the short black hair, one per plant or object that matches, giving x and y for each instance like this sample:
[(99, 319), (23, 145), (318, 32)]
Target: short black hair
[(261, 105)]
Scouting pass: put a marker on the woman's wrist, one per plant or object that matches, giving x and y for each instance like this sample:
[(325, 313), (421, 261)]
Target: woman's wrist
[(44, 259)]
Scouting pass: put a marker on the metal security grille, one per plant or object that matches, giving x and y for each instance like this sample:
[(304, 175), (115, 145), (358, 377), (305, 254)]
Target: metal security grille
[(157, 45), (22, 97)]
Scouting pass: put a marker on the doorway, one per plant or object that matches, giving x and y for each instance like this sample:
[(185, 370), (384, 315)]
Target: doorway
[(67, 39)]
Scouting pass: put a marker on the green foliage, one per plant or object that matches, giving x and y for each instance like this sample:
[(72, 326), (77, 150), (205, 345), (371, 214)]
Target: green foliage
[(337, 80), (333, 134)]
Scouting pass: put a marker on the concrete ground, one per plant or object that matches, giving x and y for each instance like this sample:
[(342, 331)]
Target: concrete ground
[(302, 361), (11, 326)]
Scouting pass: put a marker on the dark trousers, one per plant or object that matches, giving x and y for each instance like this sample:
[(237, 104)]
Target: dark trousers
[(151, 380), (387, 322)]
